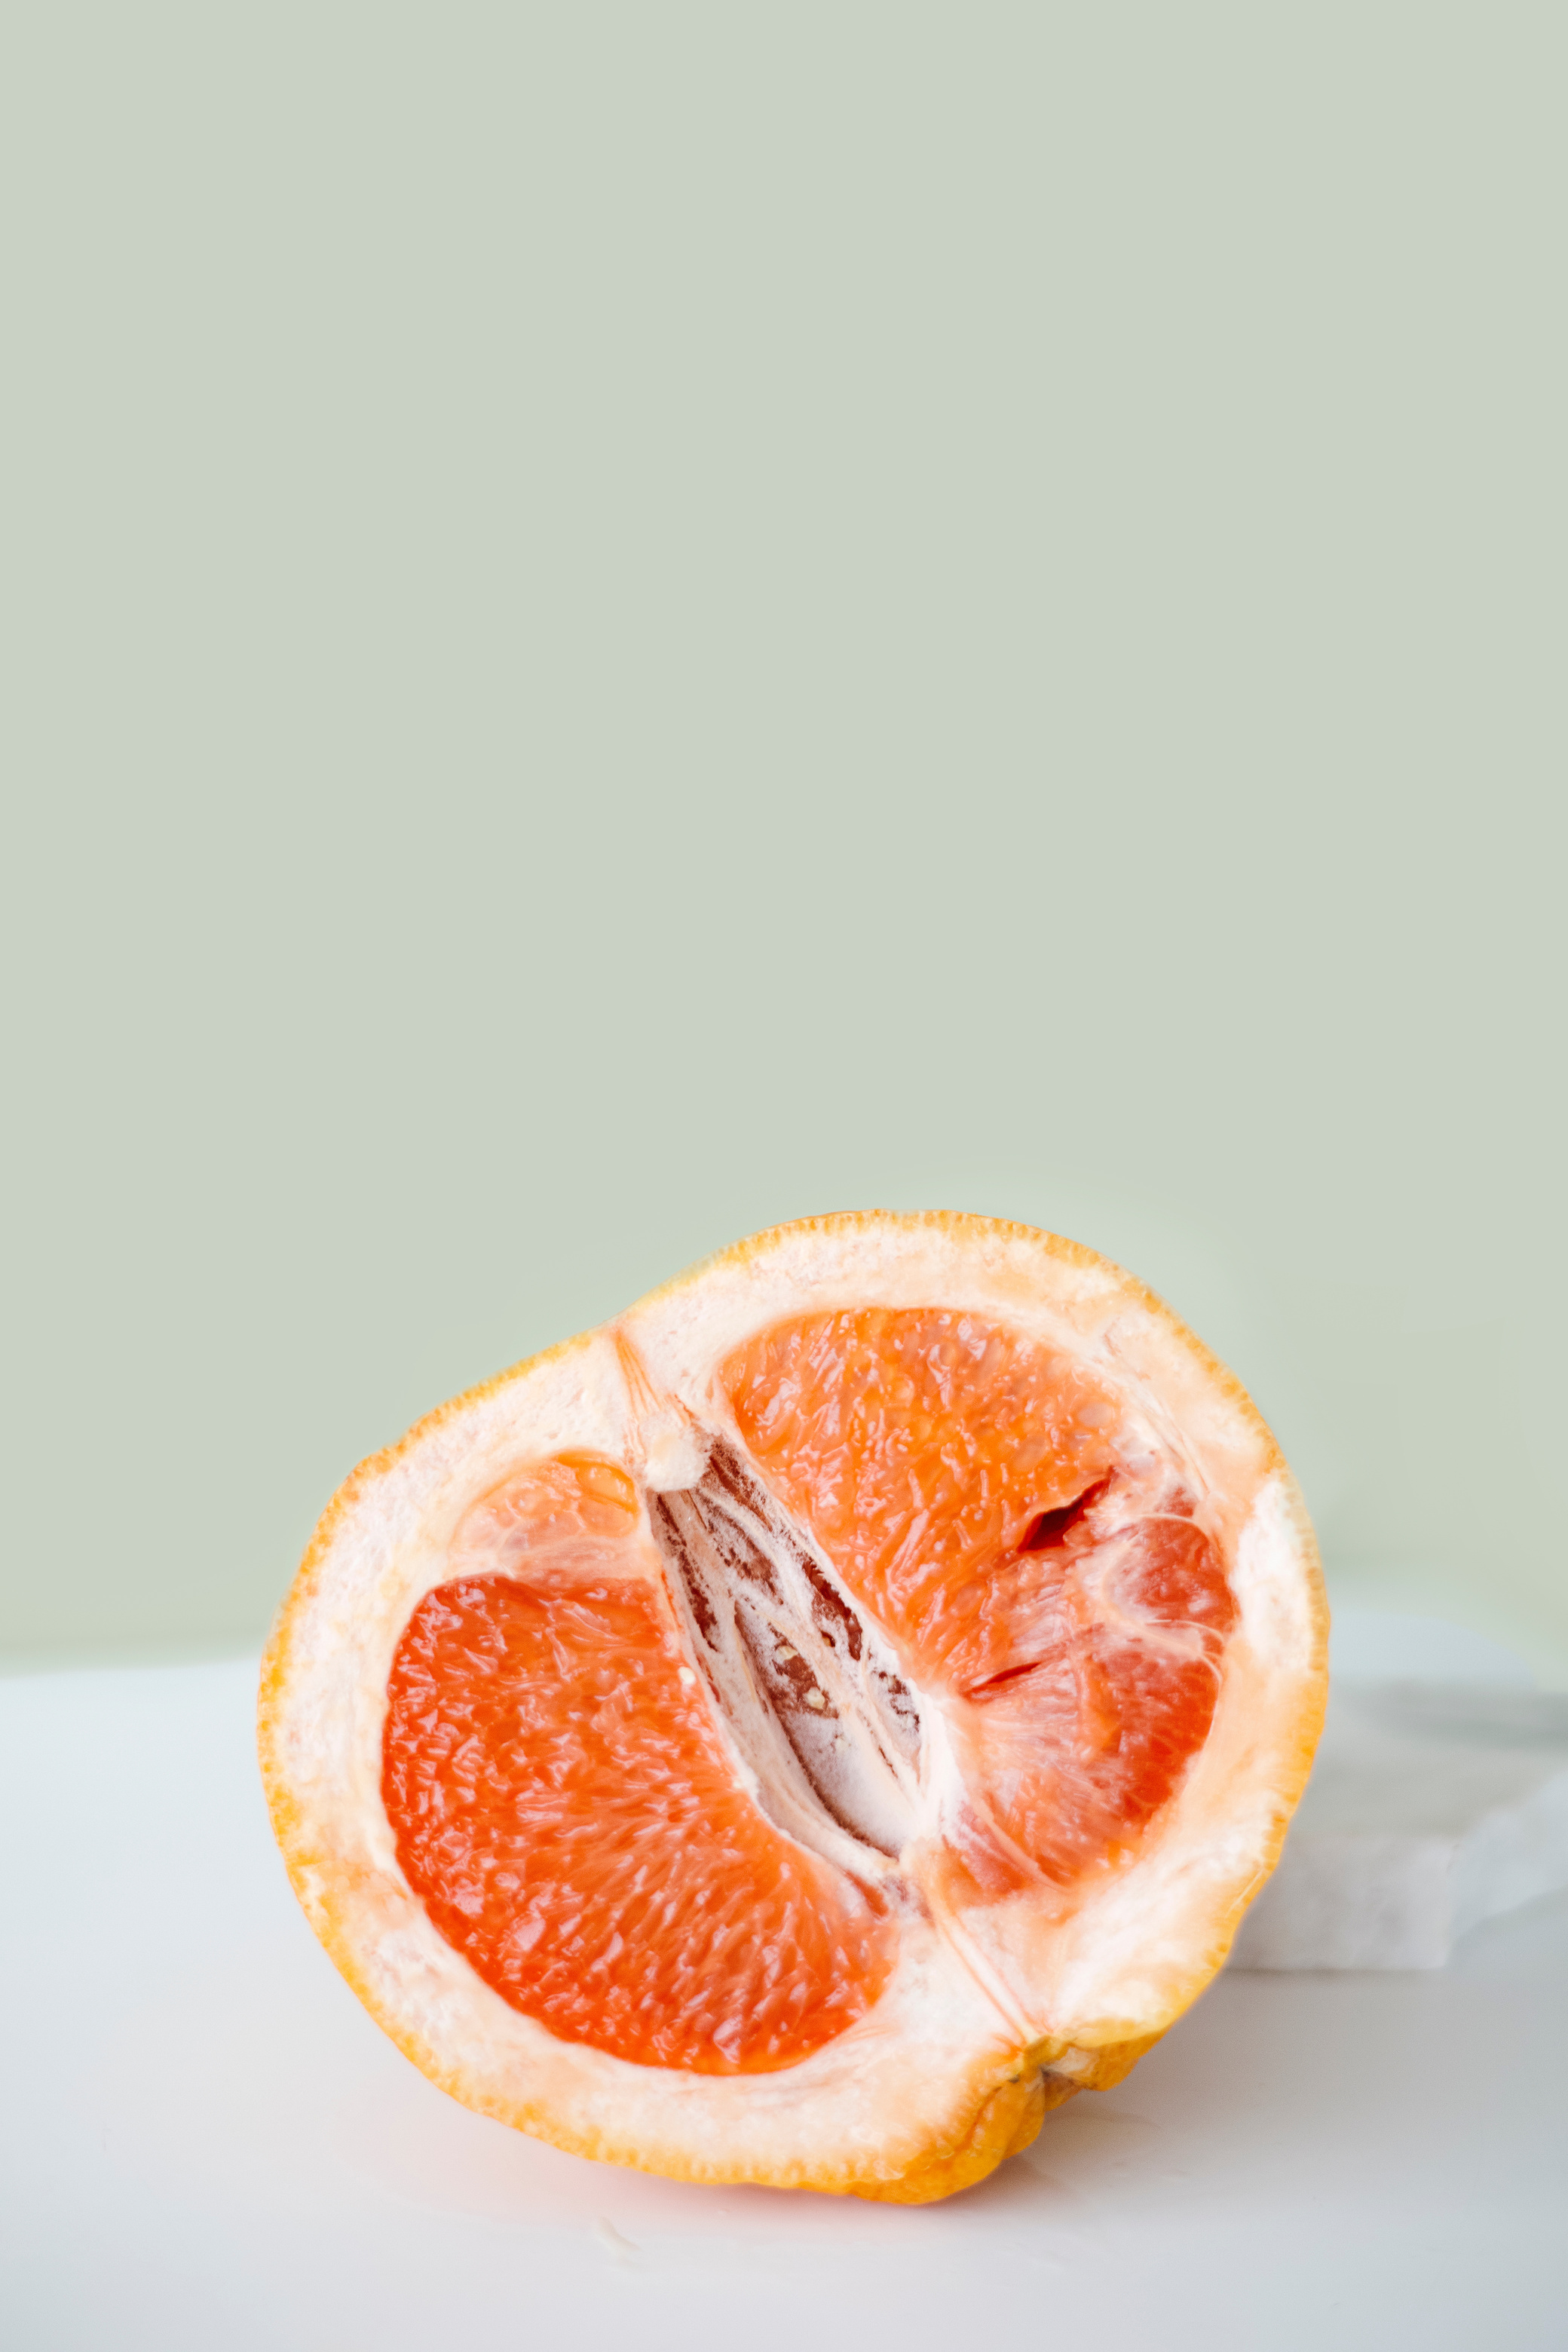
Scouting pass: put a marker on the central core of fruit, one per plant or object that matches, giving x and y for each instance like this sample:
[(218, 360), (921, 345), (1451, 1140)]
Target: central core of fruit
[(936, 1622), (811, 1695)]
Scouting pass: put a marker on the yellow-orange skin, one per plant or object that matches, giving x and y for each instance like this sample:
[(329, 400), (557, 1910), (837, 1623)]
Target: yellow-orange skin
[(1008, 2112)]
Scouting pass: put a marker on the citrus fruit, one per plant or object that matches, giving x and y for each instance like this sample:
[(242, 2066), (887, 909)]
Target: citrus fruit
[(807, 1728)]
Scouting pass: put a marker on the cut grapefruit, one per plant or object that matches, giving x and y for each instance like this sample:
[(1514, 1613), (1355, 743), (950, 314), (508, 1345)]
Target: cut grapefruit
[(803, 1730)]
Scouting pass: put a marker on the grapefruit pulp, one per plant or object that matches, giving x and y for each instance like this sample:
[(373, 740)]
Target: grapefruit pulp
[(805, 1730)]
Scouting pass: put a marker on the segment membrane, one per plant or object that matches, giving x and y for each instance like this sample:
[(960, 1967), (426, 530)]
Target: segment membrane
[(810, 1694)]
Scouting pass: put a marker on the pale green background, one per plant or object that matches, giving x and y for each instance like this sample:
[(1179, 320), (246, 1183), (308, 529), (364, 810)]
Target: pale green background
[(627, 622)]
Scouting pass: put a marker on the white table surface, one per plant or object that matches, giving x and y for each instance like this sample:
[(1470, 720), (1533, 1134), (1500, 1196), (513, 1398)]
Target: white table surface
[(209, 2145)]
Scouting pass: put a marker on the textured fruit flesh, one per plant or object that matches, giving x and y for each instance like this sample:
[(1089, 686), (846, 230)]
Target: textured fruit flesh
[(566, 1811), (561, 1794), (963, 1482)]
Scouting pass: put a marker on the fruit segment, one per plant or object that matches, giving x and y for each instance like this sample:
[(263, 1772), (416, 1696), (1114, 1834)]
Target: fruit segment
[(1062, 1601), (920, 1448), (1074, 1751), (566, 1812)]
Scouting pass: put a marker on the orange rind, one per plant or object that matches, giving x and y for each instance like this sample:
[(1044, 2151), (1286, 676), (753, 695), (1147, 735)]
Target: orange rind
[(808, 1729)]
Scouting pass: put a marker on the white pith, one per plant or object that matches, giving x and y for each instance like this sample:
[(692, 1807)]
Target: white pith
[(1064, 1977)]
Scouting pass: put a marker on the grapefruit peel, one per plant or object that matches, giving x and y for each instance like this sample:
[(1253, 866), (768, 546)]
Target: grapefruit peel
[(993, 2008)]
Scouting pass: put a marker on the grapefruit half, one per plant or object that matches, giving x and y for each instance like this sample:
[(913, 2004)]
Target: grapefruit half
[(807, 1728)]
